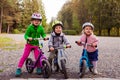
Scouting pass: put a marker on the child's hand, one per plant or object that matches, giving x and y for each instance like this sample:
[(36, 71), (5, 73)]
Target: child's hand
[(30, 39), (94, 45), (68, 46), (51, 49), (78, 42), (46, 39)]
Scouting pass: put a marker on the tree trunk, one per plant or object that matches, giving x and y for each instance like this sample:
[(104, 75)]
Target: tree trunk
[(0, 27), (8, 29), (1, 20), (117, 31), (109, 31), (99, 32)]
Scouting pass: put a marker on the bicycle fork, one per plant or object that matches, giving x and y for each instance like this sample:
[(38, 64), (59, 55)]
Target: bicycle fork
[(61, 56)]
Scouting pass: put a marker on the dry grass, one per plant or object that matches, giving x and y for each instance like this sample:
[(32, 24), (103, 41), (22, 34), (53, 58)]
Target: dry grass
[(10, 44)]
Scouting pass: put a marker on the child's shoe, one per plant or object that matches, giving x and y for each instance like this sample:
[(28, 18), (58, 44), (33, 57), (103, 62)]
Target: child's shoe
[(38, 71), (18, 72), (95, 71)]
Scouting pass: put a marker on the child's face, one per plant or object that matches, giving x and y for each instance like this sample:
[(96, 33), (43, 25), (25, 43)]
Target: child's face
[(88, 30), (36, 22), (58, 29)]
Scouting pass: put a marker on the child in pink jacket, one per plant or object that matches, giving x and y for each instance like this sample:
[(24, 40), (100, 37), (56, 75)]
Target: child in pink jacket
[(89, 38)]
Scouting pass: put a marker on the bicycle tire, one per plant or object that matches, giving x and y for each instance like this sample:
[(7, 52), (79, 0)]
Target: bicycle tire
[(46, 69), (29, 63), (64, 71), (56, 66), (83, 68)]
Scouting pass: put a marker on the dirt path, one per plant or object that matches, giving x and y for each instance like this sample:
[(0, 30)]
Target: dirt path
[(108, 65)]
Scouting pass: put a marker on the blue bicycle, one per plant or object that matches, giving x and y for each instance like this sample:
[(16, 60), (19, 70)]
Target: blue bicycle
[(84, 62)]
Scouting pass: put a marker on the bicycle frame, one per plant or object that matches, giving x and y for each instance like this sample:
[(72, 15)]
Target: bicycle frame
[(59, 61), (61, 56), (85, 57), (41, 57)]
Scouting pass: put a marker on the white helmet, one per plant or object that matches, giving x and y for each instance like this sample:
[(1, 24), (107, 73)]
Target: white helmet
[(36, 16), (87, 24)]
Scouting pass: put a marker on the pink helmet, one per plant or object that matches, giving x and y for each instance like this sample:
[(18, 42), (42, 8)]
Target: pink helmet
[(36, 16)]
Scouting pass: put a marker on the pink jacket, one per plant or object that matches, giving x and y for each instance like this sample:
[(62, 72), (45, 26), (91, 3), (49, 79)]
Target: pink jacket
[(90, 39)]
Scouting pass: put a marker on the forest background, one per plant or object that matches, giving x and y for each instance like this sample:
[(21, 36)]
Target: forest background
[(104, 14)]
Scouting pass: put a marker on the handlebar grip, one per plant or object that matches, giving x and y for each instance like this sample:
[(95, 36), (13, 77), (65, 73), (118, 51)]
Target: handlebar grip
[(46, 39), (68, 46), (76, 42)]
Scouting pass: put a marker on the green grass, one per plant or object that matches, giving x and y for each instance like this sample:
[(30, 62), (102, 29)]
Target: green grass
[(4, 41), (9, 44)]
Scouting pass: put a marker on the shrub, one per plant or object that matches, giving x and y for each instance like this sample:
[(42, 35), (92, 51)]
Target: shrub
[(70, 32), (16, 31)]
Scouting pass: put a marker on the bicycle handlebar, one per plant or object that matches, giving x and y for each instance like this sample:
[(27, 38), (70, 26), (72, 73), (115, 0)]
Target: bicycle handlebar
[(83, 43), (40, 38), (63, 47)]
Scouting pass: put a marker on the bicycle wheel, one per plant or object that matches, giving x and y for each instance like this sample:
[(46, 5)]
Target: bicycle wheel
[(29, 64), (46, 69), (83, 68), (55, 67), (64, 71)]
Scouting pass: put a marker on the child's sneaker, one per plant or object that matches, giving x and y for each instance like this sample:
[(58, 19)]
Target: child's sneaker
[(18, 72), (38, 71), (95, 71)]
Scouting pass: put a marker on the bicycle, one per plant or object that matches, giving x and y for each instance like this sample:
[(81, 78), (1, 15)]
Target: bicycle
[(84, 62), (59, 61), (44, 63)]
